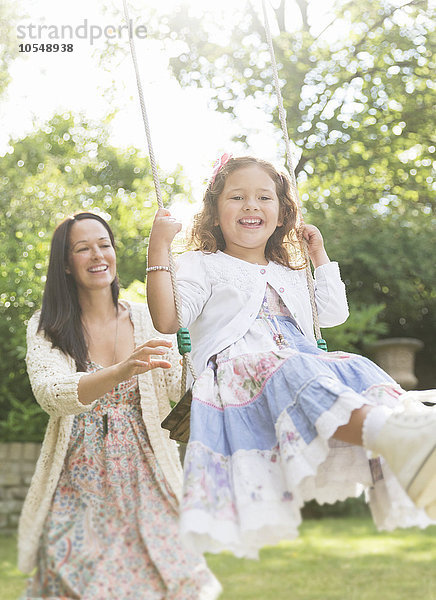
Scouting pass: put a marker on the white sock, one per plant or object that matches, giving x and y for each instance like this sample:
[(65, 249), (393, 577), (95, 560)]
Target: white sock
[(373, 424)]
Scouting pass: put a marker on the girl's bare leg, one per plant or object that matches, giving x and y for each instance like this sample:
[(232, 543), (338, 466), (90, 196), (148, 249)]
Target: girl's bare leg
[(352, 431)]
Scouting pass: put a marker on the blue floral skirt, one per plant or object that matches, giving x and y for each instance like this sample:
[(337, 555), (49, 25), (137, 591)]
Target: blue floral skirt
[(261, 445)]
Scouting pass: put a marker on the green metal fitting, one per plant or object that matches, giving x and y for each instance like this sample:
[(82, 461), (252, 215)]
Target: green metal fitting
[(183, 340), (322, 344)]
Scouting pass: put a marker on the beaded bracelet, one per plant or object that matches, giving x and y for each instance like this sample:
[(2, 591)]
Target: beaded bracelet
[(157, 268)]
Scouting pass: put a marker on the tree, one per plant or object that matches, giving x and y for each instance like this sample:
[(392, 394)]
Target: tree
[(8, 41), (65, 166), (359, 111)]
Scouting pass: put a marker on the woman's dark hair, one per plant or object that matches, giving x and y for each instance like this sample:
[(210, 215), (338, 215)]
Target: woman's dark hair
[(60, 317), (283, 243)]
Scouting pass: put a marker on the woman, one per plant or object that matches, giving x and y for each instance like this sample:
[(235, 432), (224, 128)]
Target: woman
[(100, 517)]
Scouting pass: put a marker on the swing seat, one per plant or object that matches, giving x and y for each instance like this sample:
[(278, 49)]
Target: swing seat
[(178, 420)]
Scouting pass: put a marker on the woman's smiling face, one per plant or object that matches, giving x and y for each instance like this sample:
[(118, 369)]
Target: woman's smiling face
[(248, 213), (92, 260)]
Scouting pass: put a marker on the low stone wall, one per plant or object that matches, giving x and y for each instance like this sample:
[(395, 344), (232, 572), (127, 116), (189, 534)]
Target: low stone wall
[(17, 464)]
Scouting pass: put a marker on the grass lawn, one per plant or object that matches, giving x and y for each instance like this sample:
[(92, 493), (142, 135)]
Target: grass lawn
[(334, 559)]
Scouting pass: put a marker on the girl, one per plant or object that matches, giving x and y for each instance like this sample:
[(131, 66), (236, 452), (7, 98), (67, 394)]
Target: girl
[(275, 421), (100, 518)]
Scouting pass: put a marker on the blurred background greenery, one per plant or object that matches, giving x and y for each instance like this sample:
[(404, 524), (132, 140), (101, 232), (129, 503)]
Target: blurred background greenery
[(360, 110)]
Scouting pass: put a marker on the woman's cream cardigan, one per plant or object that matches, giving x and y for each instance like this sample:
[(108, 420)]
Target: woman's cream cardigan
[(54, 381)]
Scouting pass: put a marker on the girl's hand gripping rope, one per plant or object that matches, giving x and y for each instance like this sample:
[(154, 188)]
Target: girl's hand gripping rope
[(165, 227), (315, 245)]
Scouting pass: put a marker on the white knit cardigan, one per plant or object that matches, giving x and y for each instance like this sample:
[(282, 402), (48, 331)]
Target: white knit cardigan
[(54, 381)]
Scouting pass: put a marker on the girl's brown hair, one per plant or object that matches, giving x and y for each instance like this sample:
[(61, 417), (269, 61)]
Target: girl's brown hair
[(283, 243)]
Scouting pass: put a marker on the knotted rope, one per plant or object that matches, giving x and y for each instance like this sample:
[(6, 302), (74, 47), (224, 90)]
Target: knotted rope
[(282, 117), (187, 360)]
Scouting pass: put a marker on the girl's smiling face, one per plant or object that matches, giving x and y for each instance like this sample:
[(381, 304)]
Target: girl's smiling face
[(248, 213)]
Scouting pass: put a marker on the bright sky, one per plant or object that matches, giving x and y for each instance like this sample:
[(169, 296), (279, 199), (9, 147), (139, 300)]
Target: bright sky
[(185, 130)]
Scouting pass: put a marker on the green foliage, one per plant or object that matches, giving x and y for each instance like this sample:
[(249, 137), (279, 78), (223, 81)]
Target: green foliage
[(361, 329), (21, 419), (386, 263), (8, 41), (351, 507), (65, 166), (135, 292)]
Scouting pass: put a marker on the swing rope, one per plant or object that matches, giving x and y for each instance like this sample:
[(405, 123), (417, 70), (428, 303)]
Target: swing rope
[(282, 116), (183, 340)]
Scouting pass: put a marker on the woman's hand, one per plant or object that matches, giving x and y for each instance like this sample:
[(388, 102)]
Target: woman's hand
[(315, 245), (94, 385), (141, 361), (165, 227)]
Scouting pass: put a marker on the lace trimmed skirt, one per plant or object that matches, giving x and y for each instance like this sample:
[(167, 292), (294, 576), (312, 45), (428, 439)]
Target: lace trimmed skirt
[(261, 445)]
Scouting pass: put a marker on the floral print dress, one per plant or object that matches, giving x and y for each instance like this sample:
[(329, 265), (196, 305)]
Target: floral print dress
[(262, 419), (112, 529)]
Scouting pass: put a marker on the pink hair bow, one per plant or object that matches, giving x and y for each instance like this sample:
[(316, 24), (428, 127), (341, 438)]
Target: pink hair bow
[(219, 164)]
